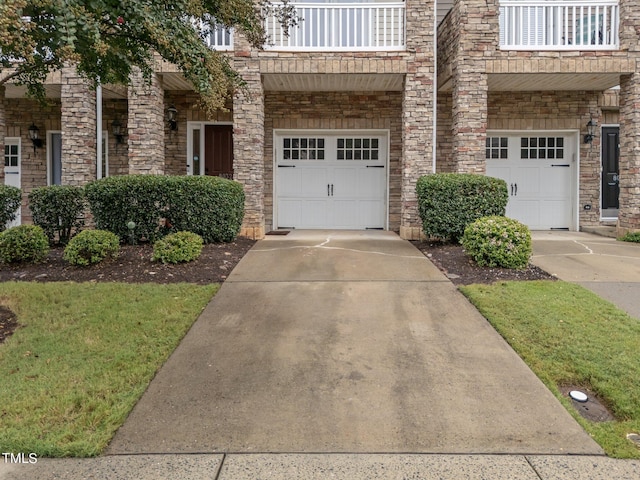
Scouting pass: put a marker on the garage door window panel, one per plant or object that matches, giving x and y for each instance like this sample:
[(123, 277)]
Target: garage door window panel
[(497, 147), (357, 149), (541, 148), (301, 148)]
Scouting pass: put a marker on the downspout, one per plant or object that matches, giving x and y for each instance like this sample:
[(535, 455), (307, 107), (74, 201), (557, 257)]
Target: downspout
[(99, 131), (435, 86)]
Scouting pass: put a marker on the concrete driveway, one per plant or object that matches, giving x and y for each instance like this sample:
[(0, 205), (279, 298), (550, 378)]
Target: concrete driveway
[(347, 342), (604, 265)]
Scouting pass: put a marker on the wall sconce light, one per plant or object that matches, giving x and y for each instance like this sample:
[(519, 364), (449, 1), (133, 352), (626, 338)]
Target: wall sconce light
[(116, 130), (34, 136), (172, 114), (591, 131)]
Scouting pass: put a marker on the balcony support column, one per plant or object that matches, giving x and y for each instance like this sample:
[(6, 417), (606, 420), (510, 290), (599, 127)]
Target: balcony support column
[(78, 120), (629, 213), (417, 114), (248, 139), (146, 125), (469, 126)]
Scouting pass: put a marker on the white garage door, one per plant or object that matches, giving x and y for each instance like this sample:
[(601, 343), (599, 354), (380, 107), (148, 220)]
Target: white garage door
[(331, 180), (539, 169)]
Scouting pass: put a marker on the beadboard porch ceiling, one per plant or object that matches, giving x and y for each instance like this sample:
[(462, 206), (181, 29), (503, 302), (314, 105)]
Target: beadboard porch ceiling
[(518, 82)]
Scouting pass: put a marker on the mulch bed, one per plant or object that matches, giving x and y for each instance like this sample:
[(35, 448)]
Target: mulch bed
[(134, 265)]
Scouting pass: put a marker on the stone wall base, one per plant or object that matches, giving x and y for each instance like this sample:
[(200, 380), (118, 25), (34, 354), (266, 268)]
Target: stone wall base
[(254, 233), (412, 233)]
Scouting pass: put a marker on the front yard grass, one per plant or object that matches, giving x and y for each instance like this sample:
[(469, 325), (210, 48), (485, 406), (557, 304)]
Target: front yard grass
[(83, 356), (569, 336)]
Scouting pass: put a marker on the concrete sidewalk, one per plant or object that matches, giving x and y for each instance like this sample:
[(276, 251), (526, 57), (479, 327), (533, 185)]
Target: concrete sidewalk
[(609, 268), (342, 355)]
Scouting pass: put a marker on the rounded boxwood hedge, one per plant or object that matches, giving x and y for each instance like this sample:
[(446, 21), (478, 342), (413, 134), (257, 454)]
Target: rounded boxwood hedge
[(211, 207), (24, 243), (497, 241), (448, 202), (91, 246), (178, 247), (59, 210)]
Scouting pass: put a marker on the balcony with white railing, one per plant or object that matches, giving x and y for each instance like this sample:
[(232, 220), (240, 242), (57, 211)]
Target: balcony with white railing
[(559, 25), (216, 36), (340, 27)]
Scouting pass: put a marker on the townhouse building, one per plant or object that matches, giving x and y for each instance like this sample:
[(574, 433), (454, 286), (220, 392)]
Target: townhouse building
[(344, 114)]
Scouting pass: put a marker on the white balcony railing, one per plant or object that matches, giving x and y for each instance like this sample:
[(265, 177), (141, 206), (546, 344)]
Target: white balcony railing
[(216, 36), (559, 25), (341, 27)]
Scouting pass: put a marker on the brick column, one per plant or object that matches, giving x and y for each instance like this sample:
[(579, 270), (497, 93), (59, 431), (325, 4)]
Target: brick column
[(248, 139), (145, 126), (629, 214), (417, 114), (78, 119)]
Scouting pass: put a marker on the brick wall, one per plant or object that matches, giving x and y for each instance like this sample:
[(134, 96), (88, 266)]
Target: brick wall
[(20, 114), (336, 110), (118, 153), (629, 215)]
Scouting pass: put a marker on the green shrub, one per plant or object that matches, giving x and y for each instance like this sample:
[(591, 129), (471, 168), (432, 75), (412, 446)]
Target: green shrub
[(448, 202), (631, 237), (10, 201), (178, 247), (24, 243), (212, 207), (91, 246), (59, 210), (498, 242)]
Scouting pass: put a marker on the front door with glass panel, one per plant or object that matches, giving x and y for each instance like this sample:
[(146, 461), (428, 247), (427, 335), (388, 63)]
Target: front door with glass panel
[(210, 150), (331, 180)]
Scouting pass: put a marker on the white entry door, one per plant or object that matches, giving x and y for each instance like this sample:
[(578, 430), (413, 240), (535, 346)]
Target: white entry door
[(539, 169), (331, 180), (12, 169)]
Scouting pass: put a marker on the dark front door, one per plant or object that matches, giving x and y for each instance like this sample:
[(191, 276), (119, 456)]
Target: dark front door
[(610, 170), (218, 147)]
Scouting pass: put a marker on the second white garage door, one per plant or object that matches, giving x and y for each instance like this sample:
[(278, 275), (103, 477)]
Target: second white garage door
[(539, 169), (334, 180)]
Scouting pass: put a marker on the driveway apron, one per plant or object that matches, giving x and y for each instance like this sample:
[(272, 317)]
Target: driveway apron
[(345, 342)]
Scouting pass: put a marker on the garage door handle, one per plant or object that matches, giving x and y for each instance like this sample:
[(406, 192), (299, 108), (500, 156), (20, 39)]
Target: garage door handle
[(328, 190), (286, 166), (560, 165), (514, 189), (516, 194), (375, 166)]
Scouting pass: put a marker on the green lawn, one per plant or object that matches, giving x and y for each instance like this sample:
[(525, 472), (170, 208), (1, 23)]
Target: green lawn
[(568, 335), (83, 356)]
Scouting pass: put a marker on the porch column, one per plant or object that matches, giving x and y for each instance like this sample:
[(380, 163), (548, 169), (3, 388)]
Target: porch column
[(469, 126), (629, 213), (417, 114), (248, 139), (145, 125), (78, 120)]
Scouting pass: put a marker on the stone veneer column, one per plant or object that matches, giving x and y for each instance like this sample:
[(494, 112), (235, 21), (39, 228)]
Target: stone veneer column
[(417, 113), (248, 139), (629, 213), (78, 119), (145, 125), (477, 36)]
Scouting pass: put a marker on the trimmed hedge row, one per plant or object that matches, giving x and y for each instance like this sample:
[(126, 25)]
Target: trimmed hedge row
[(211, 207), (448, 202), (59, 210)]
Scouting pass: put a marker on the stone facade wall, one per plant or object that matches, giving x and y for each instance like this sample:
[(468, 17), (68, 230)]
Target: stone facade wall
[(444, 142), (248, 139), (629, 214), (336, 110), (146, 126), (78, 120)]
